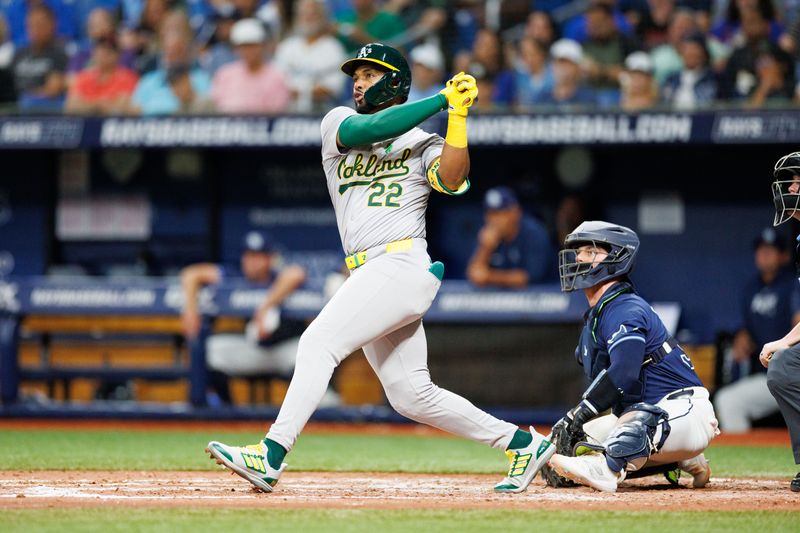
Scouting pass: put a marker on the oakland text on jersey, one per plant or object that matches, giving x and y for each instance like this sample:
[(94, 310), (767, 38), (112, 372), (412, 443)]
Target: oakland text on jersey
[(395, 167)]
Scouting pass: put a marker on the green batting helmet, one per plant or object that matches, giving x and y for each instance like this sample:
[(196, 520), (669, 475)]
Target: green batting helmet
[(395, 83)]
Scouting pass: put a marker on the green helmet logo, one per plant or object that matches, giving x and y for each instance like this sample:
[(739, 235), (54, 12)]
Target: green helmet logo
[(395, 83)]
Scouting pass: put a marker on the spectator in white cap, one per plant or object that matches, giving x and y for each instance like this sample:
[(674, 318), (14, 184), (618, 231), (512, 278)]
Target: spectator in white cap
[(427, 71), (639, 90), (311, 57), (570, 87), (251, 84)]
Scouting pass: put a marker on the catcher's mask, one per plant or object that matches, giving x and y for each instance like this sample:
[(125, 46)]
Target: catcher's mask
[(396, 83), (787, 203), (620, 242)]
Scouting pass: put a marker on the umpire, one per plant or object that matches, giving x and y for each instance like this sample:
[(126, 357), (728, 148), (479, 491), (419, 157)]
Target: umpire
[(782, 357)]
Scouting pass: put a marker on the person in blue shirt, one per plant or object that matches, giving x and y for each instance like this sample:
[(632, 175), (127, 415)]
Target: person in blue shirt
[(155, 95), (514, 249), (661, 414), (533, 73), (63, 13), (770, 307), (576, 27)]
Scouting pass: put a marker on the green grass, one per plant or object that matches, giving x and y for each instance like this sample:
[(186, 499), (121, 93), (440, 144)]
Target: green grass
[(139, 450), (369, 520), (136, 450)]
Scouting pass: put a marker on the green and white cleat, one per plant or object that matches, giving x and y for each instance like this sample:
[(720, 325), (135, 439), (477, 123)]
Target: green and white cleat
[(525, 463), (250, 462)]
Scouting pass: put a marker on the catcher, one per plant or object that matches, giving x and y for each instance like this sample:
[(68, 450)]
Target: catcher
[(662, 418)]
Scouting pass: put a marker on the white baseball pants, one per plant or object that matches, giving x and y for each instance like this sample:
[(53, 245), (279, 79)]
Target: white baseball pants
[(236, 355), (743, 401), (692, 427), (380, 308)]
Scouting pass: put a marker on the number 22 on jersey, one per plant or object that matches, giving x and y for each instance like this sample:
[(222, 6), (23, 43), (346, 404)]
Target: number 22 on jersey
[(379, 189)]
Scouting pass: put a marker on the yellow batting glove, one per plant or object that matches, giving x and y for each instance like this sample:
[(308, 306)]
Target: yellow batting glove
[(461, 91)]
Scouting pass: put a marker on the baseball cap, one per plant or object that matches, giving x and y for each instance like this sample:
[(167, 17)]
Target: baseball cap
[(223, 11), (770, 237), (639, 62), (248, 31), (428, 55), (567, 49), (500, 198), (257, 241)]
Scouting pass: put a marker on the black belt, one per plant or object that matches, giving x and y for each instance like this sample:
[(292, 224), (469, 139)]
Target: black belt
[(658, 355)]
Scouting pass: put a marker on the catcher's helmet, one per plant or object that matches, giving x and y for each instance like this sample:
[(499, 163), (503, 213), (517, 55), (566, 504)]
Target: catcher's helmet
[(621, 243), (787, 203), (395, 83)]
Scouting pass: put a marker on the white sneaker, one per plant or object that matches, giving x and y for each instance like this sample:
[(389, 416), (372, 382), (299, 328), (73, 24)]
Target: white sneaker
[(699, 469), (589, 469), (524, 463), (250, 462)]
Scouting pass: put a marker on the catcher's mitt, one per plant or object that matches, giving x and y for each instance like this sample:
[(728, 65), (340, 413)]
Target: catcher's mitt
[(565, 437)]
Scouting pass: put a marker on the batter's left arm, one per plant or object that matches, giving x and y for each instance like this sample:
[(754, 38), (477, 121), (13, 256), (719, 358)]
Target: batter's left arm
[(453, 166), (461, 91)]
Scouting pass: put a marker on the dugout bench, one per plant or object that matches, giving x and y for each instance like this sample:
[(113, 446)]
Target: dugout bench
[(117, 309), (151, 307)]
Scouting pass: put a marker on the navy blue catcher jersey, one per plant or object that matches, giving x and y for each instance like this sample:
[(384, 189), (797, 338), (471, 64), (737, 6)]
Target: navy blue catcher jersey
[(620, 332)]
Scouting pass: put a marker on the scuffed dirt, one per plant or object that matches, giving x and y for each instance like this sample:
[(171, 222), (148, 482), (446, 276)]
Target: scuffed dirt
[(55, 489)]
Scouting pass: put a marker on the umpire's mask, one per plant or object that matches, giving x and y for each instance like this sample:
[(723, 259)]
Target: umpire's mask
[(787, 203)]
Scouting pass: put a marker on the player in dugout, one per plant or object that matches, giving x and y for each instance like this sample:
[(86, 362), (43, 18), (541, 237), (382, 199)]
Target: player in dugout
[(513, 249), (270, 343), (782, 356), (380, 170), (662, 419)]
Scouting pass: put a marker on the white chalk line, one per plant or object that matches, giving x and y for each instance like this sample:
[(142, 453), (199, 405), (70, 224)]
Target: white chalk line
[(304, 487)]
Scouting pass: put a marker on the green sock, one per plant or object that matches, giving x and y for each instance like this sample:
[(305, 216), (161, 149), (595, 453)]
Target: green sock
[(275, 453), (520, 440)]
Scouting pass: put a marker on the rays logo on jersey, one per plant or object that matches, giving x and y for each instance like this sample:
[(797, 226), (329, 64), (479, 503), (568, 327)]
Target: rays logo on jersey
[(373, 169), (621, 331)]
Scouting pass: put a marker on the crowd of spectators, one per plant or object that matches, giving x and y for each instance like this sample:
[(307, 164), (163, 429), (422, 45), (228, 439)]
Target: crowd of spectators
[(268, 56)]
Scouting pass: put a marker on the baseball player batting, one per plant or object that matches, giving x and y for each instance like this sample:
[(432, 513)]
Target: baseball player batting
[(380, 169)]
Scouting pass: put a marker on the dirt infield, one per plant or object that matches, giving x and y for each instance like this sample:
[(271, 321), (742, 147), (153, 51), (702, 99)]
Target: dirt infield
[(53, 489)]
